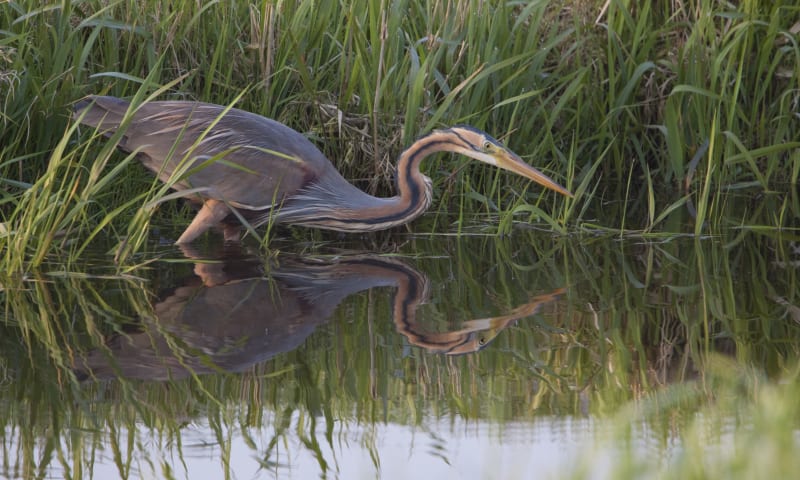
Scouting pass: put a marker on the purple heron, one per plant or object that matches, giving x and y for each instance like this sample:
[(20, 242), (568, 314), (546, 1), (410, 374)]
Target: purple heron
[(228, 159)]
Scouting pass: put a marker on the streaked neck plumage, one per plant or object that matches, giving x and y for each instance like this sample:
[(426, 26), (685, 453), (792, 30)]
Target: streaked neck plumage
[(332, 203)]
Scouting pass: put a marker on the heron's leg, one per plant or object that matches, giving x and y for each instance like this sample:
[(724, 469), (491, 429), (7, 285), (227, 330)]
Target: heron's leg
[(210, 215), (211, 273)]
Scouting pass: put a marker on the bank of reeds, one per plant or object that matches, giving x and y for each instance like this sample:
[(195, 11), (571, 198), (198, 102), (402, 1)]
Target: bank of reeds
[(644, 109)]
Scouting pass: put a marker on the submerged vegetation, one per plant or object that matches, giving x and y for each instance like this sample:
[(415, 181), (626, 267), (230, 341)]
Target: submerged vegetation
[(676, 124)]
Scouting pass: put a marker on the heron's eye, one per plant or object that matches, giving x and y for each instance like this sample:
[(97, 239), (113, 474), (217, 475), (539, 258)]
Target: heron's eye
[(482, 341), (487, 145)]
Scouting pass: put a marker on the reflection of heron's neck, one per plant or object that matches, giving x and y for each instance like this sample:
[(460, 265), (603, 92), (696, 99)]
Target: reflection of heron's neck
[(328, 284)]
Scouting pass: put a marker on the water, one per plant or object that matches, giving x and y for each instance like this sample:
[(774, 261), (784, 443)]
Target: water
[(440, 357)]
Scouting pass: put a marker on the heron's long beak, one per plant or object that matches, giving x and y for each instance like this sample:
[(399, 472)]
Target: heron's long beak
[(508, 160)]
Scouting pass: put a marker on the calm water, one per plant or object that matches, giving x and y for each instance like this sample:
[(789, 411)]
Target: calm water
[(443, 357)]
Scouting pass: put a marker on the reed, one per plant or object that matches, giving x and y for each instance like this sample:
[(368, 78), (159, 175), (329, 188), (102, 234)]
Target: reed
[(660, 107)]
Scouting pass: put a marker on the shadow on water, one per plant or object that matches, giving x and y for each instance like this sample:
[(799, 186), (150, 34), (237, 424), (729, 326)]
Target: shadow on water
[(231, 363)]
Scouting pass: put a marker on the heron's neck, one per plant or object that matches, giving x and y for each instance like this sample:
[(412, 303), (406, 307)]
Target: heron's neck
[(338, 205), (414, 190)]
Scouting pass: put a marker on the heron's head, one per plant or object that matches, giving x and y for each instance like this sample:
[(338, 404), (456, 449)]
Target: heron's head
[(483, 147), (474, 341)]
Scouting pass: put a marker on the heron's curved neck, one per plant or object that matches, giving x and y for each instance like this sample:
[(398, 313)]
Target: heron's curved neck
[(356, 211)]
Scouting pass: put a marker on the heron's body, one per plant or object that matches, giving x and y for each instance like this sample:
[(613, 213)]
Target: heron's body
[(232, 159)]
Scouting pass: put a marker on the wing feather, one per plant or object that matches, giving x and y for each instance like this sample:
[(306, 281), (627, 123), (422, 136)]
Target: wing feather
[(256, 161)]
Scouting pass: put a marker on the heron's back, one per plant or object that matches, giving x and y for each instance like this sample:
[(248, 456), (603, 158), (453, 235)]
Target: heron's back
[(236, 156)]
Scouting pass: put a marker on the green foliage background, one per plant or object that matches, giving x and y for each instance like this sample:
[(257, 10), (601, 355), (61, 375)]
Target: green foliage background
[(641, 108)]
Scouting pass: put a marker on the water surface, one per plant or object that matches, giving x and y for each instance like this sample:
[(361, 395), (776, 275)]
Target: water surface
[(459, 357)]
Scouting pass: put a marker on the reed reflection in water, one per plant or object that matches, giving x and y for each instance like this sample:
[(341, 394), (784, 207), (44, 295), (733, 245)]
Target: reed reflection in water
[(656, 342)]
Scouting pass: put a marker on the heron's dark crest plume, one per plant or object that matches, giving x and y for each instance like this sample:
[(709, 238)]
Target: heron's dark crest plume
[(273, 173)]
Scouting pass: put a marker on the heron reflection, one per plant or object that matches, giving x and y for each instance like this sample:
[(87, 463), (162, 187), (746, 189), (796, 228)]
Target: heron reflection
[(236, 311)]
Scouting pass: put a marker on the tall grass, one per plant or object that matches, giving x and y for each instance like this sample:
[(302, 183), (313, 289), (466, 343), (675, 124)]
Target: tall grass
[(704, 100), (649, 107)]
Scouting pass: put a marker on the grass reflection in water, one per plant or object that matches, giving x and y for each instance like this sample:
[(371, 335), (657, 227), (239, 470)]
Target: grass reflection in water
[(660, 347)]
